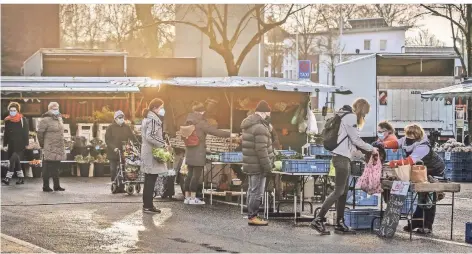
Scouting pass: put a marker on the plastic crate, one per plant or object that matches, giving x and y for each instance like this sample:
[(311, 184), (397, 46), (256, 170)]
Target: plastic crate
[(360, 218), (393, 155), (456, 157), (362, 198), (458, 166), (317, 150), (458, 176), (306, 166), (468, 232), (407, 204), (286, 153), (357, 168), (229, 157)]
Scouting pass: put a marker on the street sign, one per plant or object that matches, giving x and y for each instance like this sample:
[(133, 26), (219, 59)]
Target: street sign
[(304, 69)]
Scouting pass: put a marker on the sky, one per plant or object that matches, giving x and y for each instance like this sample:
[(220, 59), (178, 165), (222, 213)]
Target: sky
[(437, 26)]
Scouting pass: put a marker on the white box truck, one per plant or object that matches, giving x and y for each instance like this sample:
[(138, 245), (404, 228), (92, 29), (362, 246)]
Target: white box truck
[(393, 83)]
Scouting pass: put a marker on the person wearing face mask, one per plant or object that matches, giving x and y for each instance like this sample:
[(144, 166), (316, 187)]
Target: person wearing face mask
[(385, 132), (152, 137), (16, 138), (258, 158), (51, 139), (195, 156), (417, 148), (117, 133)]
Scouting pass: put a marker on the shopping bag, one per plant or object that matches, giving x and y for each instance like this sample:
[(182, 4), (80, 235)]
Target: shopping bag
[(419, 174), (370, 180), (92, 165), (332, 171), (29, 171), (403, 172), (184, 168), (312, 124)]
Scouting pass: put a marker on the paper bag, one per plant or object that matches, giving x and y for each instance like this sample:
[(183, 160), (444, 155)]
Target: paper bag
[(29, 171), (403, 172), (419, 174)]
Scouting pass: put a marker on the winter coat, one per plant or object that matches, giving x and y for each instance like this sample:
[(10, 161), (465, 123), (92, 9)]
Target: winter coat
[(152, 135), (51, 137), (196, 156), (258, 154), (115, 135), (16, 136), (349, 138)]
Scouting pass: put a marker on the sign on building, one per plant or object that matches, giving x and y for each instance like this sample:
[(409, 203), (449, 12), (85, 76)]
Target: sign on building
[(304, 69)]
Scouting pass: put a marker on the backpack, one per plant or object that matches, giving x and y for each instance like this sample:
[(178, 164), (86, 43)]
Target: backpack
[(189, 136), (331, 132)]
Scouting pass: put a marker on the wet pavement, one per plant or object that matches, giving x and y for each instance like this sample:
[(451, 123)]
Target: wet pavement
[(88, 218)]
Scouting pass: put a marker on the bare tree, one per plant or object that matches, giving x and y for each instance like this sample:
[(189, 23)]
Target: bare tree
[(120, 20), (275, 48), (306, 23), (394, 14), (460, 18), (425, 38)]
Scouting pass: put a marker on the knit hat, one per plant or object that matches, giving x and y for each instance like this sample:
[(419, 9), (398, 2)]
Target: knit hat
[(119, 113), (198, 107), (15, 105), (263, 106)]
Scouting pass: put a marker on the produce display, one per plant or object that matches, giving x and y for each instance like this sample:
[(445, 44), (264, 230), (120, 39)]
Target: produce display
[(162, 155), (453, 146), (35, 162), (214, 144), (279, 157)]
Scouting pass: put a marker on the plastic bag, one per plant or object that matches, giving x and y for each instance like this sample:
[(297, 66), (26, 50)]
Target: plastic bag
[(184, 168), (332, 171), (370, 180), (312, 125)]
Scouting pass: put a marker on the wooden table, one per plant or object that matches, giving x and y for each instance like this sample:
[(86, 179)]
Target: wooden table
[(426, 188)]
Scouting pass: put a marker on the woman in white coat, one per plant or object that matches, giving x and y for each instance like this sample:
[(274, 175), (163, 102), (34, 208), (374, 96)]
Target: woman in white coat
[(152, 137)]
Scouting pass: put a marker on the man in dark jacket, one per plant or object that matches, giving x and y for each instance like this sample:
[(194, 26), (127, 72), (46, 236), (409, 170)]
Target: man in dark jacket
[(16, 138), (117, 133), (258, 157)]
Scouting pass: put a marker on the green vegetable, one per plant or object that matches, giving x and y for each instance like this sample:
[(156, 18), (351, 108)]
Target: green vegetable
[(278, 165), (162, 155)]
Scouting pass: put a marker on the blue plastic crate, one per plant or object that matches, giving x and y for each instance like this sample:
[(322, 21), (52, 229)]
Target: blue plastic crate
[(306, 166), (458, 166), (393, 155), (286, 153), (407, 204), (229, 157), (456, 157), (317, 150), (458, 176), (360, 218), (468, 232), (362, 199)]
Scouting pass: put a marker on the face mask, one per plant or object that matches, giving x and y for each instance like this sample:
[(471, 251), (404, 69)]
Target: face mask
[(161, 112), (409, 141), (13, 113), (55, 112), (381, 136), (119, 121)]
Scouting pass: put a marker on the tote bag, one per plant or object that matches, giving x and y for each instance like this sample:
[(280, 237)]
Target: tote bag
[(370, 180), (403, 172), (419, 174)]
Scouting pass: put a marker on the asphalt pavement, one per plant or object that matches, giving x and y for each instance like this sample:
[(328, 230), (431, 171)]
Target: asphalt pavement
[(88, 218)]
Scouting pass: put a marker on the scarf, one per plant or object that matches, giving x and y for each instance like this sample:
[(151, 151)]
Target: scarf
[(14, 119)]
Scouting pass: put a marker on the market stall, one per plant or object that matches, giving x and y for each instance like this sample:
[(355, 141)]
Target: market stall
[(83, 101)]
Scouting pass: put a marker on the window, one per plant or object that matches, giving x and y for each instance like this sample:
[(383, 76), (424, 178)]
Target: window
[(366, 44), (290, 74), (314, 68), (383, 45)]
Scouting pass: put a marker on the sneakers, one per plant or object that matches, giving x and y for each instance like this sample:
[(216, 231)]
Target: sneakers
[(257, 221), (151, 210), (6, 181), (59, 189), (318, 225), (195, 201)]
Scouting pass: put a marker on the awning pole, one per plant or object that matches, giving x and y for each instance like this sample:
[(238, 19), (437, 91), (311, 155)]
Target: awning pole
[(133, 107), (231, 123)]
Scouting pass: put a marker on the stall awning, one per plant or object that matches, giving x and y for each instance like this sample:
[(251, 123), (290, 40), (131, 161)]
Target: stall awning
[(461, 90), (10, 85), (277, 84)]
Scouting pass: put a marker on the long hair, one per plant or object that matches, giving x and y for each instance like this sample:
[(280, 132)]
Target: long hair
[(155, 103), (361, 108)]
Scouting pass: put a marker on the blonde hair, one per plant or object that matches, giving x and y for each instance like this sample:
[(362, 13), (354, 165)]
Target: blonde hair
[(361, 108), (53, 104), (414, 130)]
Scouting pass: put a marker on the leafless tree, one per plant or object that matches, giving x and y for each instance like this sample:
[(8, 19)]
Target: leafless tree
[(425, 38), (120, 20), (394, 14), (460, 18)]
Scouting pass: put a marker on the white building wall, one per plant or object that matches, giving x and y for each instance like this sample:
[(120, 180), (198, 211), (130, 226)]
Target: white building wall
[(190, 42)]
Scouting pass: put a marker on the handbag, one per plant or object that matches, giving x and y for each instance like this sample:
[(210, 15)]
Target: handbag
[(419, 174), (370, 180), (403, 172)]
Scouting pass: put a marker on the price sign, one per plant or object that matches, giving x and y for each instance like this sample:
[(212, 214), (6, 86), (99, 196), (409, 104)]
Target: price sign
[(447, 156), (400, 188)]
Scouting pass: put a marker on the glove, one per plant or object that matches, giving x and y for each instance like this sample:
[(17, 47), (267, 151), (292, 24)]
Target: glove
[(378, 144), (393, 164)]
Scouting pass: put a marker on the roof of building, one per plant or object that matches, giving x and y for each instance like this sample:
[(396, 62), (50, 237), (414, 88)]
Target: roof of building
[(66, 84), (357, 30), (461, 90), (429, 49), (367, 23)]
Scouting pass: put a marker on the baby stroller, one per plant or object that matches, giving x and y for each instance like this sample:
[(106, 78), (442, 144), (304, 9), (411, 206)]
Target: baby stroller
[(128, 176)]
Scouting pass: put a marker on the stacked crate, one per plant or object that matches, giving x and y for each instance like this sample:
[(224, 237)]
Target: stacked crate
[(458, 166)]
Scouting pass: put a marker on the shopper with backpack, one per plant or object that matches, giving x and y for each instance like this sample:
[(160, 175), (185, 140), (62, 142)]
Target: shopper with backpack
[(194, 135), (341, 137)]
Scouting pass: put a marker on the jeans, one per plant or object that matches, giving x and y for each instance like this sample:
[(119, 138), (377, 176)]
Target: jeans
[(51, 169), (148, 190), (193, 178), (254, 194), (15, 165), (342, 167)]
